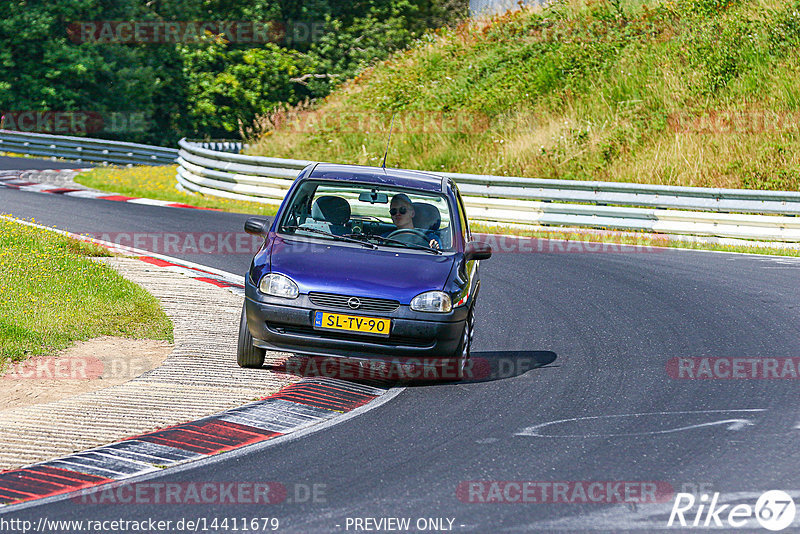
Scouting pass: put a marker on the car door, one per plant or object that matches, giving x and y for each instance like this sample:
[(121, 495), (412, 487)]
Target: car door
[(471, 267)]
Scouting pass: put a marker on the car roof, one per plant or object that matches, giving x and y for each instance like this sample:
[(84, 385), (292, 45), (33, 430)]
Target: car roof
[(377, 175)]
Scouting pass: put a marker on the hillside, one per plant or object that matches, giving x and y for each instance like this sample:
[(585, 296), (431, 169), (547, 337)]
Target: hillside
[(691, 92)]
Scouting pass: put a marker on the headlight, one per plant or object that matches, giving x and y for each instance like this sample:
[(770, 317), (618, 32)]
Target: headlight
[(278, 285), (432, 301)]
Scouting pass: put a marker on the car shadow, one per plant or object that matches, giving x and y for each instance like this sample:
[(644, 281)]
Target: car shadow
[(488, 366), (484, 366)]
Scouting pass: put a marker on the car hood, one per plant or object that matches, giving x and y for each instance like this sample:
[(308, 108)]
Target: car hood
[(350, 269)]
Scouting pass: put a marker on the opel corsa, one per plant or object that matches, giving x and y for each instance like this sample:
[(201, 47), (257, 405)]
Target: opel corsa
[(363, 263)]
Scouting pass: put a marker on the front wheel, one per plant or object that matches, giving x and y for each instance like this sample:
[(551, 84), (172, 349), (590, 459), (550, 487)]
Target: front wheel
[(247, 354), (462, 352)]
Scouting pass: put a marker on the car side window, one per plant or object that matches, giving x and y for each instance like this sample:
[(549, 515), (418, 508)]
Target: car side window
[(302, 207), (462, 214)]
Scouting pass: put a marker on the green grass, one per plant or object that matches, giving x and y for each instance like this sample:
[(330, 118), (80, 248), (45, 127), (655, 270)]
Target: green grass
[(685, 92), (158, 183), (52, 293)]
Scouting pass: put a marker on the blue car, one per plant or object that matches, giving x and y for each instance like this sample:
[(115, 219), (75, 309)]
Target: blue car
[(363, 263)]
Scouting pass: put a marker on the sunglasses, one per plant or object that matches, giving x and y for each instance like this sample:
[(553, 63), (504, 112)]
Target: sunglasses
[(394, 211)]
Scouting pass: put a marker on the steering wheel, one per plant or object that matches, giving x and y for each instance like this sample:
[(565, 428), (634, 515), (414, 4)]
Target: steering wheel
[(412, 236)]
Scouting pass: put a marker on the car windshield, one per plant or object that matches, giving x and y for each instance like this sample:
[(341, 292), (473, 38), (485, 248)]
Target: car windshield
[(379, 215)]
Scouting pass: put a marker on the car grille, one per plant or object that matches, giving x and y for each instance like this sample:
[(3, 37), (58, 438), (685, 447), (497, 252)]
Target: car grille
[(340, 301)]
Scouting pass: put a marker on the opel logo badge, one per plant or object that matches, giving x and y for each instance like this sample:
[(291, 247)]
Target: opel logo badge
[(354, 303)]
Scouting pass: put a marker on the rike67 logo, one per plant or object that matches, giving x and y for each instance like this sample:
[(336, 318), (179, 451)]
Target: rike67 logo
[(774, 510)]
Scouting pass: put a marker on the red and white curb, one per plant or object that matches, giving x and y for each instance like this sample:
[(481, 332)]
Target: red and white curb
[(306, 403), (11, 180), (304, 406), (233, 284)]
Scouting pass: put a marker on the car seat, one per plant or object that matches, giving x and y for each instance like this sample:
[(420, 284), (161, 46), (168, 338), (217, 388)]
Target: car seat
[(428, 218), (333, 210)]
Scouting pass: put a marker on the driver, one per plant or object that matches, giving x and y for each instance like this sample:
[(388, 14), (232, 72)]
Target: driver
[(402, 211)]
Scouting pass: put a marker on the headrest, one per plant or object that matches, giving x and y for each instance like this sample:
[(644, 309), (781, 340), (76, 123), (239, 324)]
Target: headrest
[(335, 210), (426, 216)]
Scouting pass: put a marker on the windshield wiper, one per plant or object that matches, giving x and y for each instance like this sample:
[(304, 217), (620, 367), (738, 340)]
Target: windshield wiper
[(323, 232), (361, 238), (409, 245)]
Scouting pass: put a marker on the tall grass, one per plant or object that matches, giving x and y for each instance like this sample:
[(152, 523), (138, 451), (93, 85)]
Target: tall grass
[(691, 92)]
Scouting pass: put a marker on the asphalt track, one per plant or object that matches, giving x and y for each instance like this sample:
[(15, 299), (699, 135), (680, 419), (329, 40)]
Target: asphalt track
[(602, 326), (9, 163)]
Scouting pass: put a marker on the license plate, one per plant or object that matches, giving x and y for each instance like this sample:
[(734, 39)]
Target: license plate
[(352, 323)]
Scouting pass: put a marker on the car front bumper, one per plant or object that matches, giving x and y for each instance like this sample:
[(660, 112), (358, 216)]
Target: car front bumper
[(287, 325)]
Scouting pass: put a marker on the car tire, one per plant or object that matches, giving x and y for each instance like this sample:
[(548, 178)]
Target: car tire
[(462, 353), (247, 354)]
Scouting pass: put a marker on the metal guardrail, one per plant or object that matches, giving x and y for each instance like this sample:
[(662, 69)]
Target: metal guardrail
[(85, 149), (235, 176), (737, 213), (221, 145)]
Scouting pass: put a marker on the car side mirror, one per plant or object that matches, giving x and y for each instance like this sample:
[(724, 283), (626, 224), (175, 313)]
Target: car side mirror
[(475, 250), (256, 226)]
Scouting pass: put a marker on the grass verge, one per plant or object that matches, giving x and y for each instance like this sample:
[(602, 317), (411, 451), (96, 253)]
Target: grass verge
[(158, 183), (52, 293), (15, 155)]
